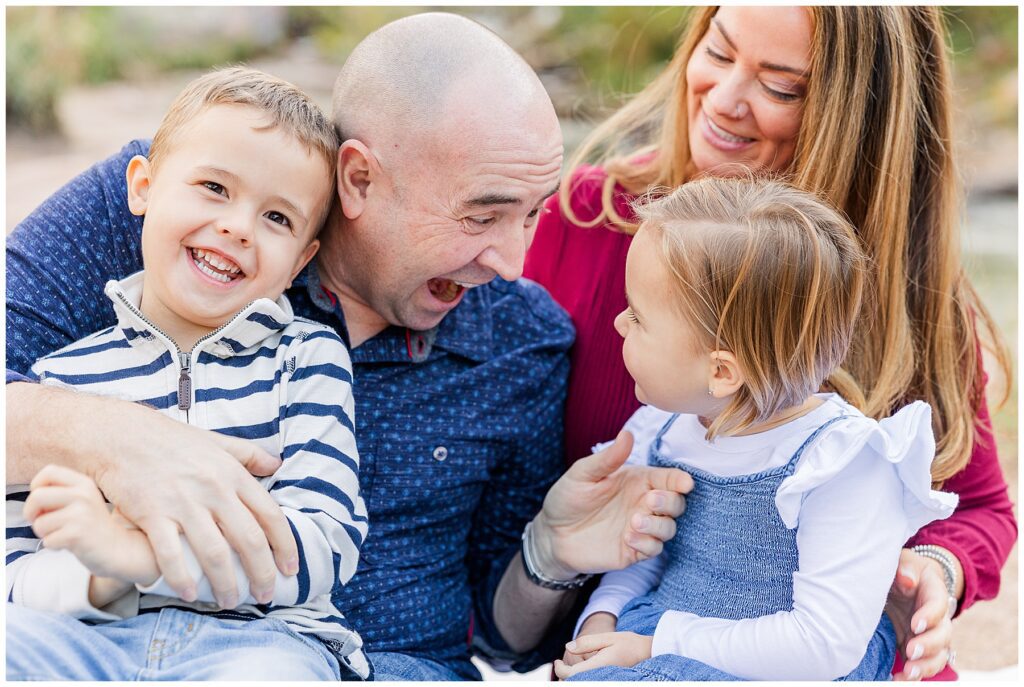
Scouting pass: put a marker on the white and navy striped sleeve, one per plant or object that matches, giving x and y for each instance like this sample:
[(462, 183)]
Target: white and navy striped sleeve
[(317, 485)]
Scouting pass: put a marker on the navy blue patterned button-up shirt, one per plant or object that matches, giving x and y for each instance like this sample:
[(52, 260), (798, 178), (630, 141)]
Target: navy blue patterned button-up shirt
[(459, 429)]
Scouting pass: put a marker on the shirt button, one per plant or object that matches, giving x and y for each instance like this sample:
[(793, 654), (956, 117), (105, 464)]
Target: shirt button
[(440, 453)]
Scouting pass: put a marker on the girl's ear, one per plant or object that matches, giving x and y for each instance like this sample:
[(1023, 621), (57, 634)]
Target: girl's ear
[(358, 168), (724, 375), (139, 177)]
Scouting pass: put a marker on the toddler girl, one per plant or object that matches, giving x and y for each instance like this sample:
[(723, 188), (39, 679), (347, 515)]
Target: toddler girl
[(743, 296)]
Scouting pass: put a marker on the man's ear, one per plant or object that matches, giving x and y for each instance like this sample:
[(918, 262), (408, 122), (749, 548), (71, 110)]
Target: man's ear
[(724, 375), (304, 259), (139, 177), (358, 168)]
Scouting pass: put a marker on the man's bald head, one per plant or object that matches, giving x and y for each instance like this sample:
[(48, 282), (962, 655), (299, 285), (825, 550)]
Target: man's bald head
[(410, 76)]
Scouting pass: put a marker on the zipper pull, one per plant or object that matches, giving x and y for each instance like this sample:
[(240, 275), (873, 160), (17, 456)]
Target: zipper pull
[(184, 383)]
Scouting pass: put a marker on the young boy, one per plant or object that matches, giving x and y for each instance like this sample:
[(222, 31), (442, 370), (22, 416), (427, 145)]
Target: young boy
[(237, 184)]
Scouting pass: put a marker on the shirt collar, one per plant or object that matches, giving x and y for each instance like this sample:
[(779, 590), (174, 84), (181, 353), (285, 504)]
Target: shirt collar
[(467, 330), (247, 328)]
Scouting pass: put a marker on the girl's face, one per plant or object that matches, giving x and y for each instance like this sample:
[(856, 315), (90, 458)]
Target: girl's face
[(662, 354), (746, 83)]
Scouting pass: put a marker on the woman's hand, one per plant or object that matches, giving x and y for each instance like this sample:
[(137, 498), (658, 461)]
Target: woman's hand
[(921, 609), (602, 515)]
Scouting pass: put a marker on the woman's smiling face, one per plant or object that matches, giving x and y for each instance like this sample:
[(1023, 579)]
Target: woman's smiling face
[(746, 84)]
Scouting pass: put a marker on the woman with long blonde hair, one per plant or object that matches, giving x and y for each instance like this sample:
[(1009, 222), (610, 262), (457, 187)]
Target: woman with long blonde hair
[(853, 104)]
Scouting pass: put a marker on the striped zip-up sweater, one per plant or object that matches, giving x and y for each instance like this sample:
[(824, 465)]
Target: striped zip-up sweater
[(280, 381)]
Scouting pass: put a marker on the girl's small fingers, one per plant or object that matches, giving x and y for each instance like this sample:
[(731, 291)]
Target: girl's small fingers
[(586, 644), (561, 669)]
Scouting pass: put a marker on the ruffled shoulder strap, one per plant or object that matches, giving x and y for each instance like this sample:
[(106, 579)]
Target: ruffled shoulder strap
[(905, 440)]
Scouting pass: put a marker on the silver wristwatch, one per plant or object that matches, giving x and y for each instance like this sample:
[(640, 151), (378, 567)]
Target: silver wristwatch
[(534, 574)]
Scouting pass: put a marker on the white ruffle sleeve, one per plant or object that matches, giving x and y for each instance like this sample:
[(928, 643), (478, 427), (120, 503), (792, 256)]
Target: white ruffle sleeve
[(905, 440)]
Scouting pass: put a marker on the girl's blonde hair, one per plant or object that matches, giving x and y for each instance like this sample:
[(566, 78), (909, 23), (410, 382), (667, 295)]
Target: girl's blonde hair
[(770, 274), (876, 141)]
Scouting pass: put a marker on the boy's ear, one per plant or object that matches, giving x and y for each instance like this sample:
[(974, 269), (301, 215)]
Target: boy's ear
[(724, 376), (304, 259), (139, 178), (357, 169)]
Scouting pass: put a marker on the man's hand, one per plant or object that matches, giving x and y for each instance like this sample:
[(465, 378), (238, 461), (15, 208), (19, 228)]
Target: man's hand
[(197, 482), (920, 609), (624, 649), (602, 515), (67, 511), (596, 623), (164, 476)]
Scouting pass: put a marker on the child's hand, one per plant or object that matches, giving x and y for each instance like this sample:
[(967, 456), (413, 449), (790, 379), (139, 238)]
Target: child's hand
[(67, 511), (624, 649), (596, 623)]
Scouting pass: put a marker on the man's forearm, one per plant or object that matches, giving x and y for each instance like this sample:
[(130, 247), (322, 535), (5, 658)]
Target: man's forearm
[(524, 611), (47, 425)]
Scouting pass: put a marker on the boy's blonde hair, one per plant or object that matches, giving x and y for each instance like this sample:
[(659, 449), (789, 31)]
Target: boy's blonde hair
[(772, 275), (287, 106)]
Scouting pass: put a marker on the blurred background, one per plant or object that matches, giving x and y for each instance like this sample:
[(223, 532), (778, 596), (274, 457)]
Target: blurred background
[(83, 81)]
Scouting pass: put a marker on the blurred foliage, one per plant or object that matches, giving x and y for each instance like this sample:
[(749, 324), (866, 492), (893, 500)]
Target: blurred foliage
[(51, 48), (589, 57), (984, 44)]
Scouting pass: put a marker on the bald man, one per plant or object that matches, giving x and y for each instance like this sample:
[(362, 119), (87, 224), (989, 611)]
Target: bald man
[(451, 146)]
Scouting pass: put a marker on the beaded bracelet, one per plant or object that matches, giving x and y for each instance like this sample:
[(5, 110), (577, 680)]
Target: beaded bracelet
[(945, 561)]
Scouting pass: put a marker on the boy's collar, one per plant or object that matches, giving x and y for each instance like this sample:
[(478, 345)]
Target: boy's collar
[(244, 330)]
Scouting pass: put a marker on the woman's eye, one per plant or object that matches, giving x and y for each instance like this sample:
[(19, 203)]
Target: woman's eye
[(632, 316), (216, 188), (278, 218), (715, 57), (781, 95)]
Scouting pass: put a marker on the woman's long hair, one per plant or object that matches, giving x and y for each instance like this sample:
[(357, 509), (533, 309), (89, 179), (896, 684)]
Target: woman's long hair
[(876, 140)]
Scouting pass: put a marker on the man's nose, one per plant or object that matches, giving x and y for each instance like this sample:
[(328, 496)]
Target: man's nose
[(506, 255)]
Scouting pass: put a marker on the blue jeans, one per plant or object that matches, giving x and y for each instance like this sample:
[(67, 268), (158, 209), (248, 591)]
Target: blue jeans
[(171, 644), (394, 667)]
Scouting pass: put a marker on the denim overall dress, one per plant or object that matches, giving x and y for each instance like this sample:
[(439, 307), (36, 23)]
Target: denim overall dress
[(732, 557)]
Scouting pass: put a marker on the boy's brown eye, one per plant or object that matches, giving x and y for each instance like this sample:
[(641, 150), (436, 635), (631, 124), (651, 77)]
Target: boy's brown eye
[(215, 187)]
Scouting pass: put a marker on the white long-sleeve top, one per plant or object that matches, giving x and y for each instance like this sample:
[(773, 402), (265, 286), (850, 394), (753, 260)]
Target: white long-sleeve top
[(858, 492), (282, 382)]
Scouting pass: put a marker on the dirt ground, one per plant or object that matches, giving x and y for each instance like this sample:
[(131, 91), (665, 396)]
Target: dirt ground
[(98, 121)]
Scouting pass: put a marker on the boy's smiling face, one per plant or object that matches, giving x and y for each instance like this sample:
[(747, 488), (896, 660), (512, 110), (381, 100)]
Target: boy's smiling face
[(230, 213)]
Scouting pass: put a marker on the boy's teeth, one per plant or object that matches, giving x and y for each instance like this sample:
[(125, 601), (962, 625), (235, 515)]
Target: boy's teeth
[(216, 275), (204, 260)]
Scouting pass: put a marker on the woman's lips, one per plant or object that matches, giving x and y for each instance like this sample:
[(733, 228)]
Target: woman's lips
[(720, 138)]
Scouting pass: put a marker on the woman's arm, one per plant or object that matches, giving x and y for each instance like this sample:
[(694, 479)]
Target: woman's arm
[(982, 530)]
